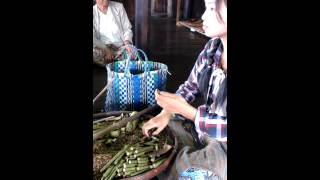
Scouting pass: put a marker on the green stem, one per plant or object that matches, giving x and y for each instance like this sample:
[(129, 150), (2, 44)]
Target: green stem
[(139, 154), (144, 149), (138, 172), (158, 162), (113, 174), (143, 161), (119, 159), (139, 168), (129, 169), (128, 153), (120, 153), (107, 173), (144, 164), (130, 165), (133, 161)]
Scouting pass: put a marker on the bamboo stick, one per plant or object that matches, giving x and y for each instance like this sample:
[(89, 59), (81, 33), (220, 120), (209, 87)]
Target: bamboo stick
[(122, 122)]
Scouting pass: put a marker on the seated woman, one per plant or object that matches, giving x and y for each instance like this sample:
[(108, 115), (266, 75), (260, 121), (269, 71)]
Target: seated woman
[(202, 147), (111, 31)]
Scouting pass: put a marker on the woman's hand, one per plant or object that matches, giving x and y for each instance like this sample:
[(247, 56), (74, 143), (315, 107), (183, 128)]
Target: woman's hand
[(126, 42), (175, 104), (108, 54), (159, 122), (127, 45)]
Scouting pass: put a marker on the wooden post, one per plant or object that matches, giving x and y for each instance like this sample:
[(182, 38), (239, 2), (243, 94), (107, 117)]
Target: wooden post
[(178, 12), (186, 10), (142, 24), (152, 7), (169, 8)]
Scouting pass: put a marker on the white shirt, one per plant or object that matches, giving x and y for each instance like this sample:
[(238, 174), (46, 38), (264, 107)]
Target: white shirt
[(113, 27)]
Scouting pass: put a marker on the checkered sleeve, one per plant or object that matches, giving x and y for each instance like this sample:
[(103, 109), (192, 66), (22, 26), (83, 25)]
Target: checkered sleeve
[(189, 90), (210, 123)]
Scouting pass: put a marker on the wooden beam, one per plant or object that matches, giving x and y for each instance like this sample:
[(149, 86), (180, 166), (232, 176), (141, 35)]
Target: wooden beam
[(142, 11)]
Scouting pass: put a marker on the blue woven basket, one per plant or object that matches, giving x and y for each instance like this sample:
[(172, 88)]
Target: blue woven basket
[(133, 82)]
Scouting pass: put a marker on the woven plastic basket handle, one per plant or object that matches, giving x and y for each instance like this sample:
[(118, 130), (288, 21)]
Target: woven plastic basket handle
[(136, 52)]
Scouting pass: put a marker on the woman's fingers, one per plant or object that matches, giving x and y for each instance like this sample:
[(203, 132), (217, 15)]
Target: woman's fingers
[(147, 126), (167, 94)]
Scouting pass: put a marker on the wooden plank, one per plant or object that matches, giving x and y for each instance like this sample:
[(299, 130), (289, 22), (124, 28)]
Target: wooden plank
[(193, 27)]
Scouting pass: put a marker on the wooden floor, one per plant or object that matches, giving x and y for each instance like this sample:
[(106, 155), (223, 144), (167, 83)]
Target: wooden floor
[(175, 46)]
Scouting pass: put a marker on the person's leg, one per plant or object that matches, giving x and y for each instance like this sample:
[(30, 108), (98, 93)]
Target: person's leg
[(210, 160), (209, 157), (122, 52), (98, 57), (184, 139)]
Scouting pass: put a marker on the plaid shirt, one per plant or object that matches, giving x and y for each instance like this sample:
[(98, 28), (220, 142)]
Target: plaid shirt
[(211, 118)]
